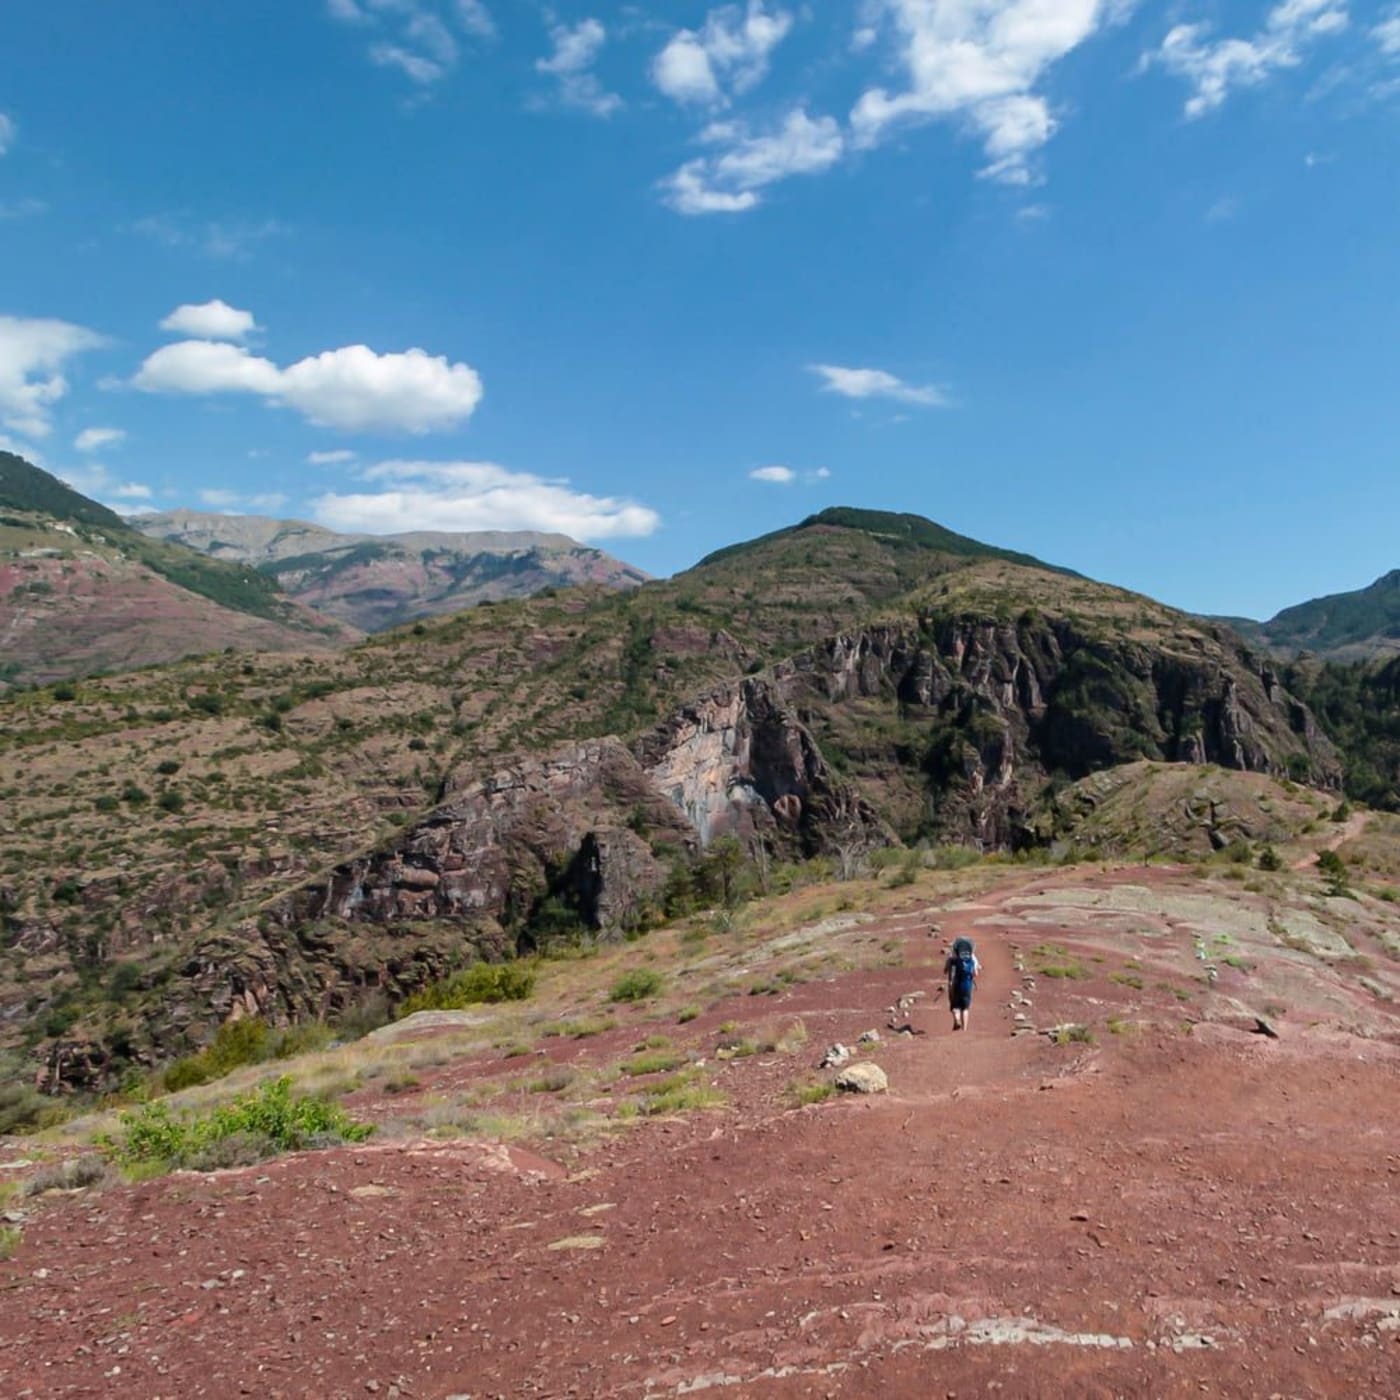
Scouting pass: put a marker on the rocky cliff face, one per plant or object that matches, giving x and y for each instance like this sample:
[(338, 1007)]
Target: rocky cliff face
[(993, 709)]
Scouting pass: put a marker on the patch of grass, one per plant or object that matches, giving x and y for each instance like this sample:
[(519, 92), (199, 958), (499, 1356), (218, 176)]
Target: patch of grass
[(783, 1039), (636, 985), (553, 1081), (1126, 979), (1235, 961), (687, 1013), (1076, 972), (10, 1236), (680, 1094), (656, 1062), (473, 986), (579, 1027), (1118, 1026), (1074, 1035), (261, 1123), (805, 1092)]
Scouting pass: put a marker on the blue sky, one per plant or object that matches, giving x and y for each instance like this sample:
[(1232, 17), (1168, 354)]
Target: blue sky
[(1116, 284)]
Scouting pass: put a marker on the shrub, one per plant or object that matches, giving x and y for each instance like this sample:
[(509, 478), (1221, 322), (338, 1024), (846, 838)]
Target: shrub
[(9, 1241), (168, 767), (70, 1175), (171, 801), (134, 796), (804, 1094), (482, 982), (1269, 859), (236, 1043), (265, 1121), (637, 985)]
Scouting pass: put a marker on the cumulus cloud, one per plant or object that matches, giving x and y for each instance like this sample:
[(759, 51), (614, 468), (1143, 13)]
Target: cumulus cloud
[(878, 384), (210, 320), (478, 496), (32, 356), (978, 62), (353, 388), (779, 476), (1214, 68), (729, 54), (576, 50), (419, 38), (8, 132), (328, 459), (93, 439), (94, 480), (730, 180)]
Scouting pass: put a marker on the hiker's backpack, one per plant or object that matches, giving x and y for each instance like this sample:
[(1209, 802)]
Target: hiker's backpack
[(966, 967)]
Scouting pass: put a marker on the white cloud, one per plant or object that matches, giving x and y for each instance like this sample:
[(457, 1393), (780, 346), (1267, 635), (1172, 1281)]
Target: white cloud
[(352, 388), (25, 208), (420, 38), (878, 384), (8, 132), (820, 474), (1215, 67), (1387, 34), (729, 54), (221, 499), (475, 19), (576, 50), (94, 480), (232, 241), (730, 181), (326, 459), (91, 439), (32, 356), (977, 61), (478, 496), (210, 320), (779, 476)]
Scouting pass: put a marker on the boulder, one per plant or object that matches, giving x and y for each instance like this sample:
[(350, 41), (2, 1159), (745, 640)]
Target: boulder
[(863, 1079)]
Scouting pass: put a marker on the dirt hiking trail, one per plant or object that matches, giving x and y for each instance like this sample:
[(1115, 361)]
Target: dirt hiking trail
[(1169, 1206)]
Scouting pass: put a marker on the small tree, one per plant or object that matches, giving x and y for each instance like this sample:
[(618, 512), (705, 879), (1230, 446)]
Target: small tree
[(1333, 870)]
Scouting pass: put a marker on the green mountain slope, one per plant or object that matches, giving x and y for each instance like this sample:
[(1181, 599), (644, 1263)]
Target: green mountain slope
[(27, 488), (1339, 627), (894, 530)]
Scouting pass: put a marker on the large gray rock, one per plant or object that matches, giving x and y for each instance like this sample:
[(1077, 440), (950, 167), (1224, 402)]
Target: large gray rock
[(862, 1079)]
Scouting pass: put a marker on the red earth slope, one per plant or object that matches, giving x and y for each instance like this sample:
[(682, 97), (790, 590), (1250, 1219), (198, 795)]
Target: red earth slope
[(1179, 1211)]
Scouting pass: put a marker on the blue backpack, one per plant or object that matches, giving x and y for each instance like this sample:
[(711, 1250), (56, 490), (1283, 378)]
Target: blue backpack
[(966, 969)]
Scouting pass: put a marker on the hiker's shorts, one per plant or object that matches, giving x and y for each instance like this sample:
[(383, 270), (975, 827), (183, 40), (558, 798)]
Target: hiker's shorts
[(959, 998)]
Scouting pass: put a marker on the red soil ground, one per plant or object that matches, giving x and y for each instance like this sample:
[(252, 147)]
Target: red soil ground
[(1156, 1215)]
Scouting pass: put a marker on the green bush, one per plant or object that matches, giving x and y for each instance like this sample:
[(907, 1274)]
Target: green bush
[(261, 1123), (482, 982), (636, 986), (1269, 859)]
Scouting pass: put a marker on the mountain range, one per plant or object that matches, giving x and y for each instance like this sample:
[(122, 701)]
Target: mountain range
[(299, 836), (372, 582), (1339, 627)]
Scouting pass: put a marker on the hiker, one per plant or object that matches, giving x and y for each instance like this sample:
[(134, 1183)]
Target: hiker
[(961, 971)]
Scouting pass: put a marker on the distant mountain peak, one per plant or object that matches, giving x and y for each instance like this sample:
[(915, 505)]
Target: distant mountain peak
[(899, 529)]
